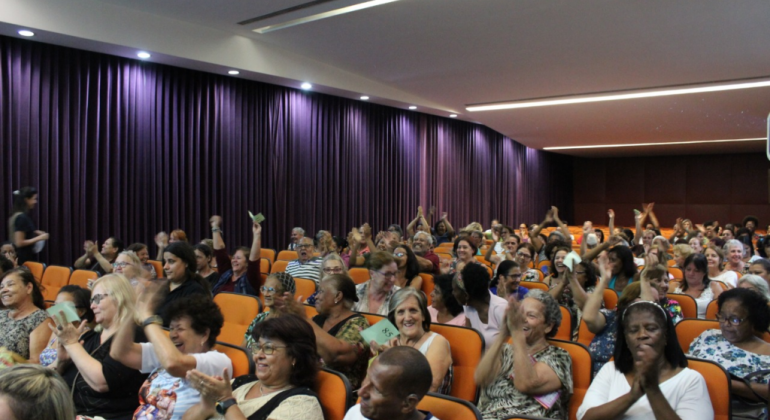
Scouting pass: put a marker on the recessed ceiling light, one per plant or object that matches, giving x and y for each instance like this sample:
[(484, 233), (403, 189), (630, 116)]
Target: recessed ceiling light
[(306, 86), (26, 32), (364, 98), (673, 143), (617, 96), (453, 116), (413, 107), (324, 15), (233, 72), (143, 55)]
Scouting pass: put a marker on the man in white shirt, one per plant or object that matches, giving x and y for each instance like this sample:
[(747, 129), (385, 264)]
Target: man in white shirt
[(396, 382)]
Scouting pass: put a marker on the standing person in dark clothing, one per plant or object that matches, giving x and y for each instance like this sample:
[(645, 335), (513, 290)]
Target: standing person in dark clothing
[(21, 230)]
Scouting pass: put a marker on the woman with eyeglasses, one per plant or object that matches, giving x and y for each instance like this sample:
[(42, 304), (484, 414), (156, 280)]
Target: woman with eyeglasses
[(408, 269), (508, 280), (738, 345), (277, 288), (101, 385), (284, 350), (196, 321), (129, 264), (80, 298), (24, 323), (374, 295), (241, 272), (524, 257)]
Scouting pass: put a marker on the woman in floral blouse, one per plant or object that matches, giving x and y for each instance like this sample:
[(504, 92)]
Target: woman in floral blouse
[(737, 345)]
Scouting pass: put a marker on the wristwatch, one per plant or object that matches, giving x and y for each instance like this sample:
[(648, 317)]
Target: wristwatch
[(222, 406), (155, 319)]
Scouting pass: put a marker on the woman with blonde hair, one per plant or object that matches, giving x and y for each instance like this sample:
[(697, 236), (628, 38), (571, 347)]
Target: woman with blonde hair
[(101, 386), (32, 392)]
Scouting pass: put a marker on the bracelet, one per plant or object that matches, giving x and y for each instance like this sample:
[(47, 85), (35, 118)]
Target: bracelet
[(155, 319)]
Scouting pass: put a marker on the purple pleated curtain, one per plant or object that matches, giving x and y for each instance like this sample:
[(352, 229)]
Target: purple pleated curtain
[(128, 148)]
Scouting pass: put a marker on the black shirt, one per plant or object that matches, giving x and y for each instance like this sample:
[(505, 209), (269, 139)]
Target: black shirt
[(188, 288), (123, 382), (23, 223)]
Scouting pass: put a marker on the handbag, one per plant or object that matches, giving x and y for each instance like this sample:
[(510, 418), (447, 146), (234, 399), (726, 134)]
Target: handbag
[(743, 409)]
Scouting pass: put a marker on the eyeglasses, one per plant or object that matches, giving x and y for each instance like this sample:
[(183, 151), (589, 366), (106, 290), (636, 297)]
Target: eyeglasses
[(266, 289), (120, 264), (733, 320), (97, 299), (332, 270), (399, 254), (386, 275), (267, 348), (304, 246), (523, 255), (513, 276)]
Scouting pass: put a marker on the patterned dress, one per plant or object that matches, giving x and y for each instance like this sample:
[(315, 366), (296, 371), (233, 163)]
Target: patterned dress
[(15, 336), (673, 308), (530, 275), (259, 318), (349, 331), (712, 345), (603, 345), (501, 400)]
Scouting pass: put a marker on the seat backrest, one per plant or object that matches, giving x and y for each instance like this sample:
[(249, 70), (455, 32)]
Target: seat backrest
[(374, 318), (158, 268), (671, 263), (467, 347), (279, 266), (676, 273), (481, 259), (264, 265), (689, 307), (712, 309), (581, 372), (238, 308), (286, 256), (243, 363), (534, 285), (305, 287), (565, 328), (444, 255), (427, 286), (335, 393), (56, 275), (718, 383), (267, 253), (81, 277), (448, 408), (688, 329), (36, 269), (610, 299), (359, 275), (585, 336), (232, 333)]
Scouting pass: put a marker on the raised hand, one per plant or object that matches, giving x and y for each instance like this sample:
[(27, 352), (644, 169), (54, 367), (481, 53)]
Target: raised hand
[(366, 230), (92, 249), (256, 229), (555, 212), (161, 239), (356, 235), (87, 246), (419, 211), (65, 332), (611, 213), (149, 296), (604, 268), (216, 221), (443, 216)]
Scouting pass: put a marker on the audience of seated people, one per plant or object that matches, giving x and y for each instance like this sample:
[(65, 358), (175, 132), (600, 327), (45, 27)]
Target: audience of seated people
[(177, 374)]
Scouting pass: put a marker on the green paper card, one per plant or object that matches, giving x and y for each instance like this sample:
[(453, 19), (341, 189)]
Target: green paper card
[(380, 332), (70, 314), (259, 218)]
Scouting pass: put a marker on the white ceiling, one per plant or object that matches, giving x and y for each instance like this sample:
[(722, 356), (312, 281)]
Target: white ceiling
[(445, 54)]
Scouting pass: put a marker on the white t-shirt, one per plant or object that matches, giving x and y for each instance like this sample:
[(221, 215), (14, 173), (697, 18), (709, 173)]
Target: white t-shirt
[(686, 393), (729, 278), (166, 396), (355, 414), (495, 319)]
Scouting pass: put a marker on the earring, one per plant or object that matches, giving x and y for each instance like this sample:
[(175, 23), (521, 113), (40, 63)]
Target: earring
[(335, 301)]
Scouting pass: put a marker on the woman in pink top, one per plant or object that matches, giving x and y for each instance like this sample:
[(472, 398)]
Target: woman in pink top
[(445, 309)]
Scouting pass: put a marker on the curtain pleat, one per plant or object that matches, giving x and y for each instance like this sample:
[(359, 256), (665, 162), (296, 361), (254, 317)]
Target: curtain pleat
[(125, 148)]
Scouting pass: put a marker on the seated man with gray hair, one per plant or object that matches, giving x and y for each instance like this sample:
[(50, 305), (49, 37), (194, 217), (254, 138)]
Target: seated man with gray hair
[(296, 234), (422, 246), (396, 382)]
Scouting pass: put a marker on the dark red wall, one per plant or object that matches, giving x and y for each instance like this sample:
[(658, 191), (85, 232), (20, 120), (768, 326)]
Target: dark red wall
[(720, 187)]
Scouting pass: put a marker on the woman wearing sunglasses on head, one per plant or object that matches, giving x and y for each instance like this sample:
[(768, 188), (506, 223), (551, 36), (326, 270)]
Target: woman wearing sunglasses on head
[(408, 269), (284, 350), (101, 385)]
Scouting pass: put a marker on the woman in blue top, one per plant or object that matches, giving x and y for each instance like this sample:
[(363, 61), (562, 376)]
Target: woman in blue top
[(621, 261)]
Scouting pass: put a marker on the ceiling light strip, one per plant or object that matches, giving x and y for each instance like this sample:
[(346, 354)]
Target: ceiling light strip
[(673, 143), (617, 96), (324, 15)]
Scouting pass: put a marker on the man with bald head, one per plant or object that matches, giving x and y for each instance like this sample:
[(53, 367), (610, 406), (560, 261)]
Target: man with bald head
[(396, 382)]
